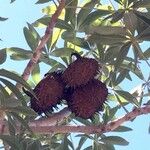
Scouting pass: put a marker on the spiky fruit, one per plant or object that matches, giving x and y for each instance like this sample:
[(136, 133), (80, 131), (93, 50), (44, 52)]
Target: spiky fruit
[(80, 71), (48, 93), (86, 100)]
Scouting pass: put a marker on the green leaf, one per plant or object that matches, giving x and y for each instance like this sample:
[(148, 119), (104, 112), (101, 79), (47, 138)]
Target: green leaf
[(16, 50), (83, 121), (2, 98), (119, 2), (149, 129), (111, 53), (143, 16), (3, 56), (64, 144), (122, 54), (96, 119), (20, 57), (14, 89), (106, 30), (127, 96), (12, 1), (122, 75), (134, 69), (147, 53), (81, 142), (19, 53), (107, 147), (59, 24), (31, 38), (11, 125), (93, 16), (34, 32), (35, 35), (69, 37), (122, 102), (24, 110), (87, 136), (11, 141), (131, 1), (42, 1), (96, 145), (118, 15), (36, 74), (142, 26), (16, 78), (50, 61), (107, 39), (21, 120), (34, 145), (58, 66), (144, 36), (88, 148), (138, 51), (85, 10), (112, 112), (4, 91), (70, 11), (130, 21), (62, 52), (115, 140), (122, 129), (142, 3), (105, 116), (3, 19), (12, 102)]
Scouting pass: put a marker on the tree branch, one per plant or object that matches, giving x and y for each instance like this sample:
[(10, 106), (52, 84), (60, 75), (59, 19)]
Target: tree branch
[(46, 126), (36, 55)]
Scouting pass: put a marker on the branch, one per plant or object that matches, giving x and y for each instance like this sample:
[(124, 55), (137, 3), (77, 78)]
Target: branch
[(36, 55), (45, 126), (93, 129)]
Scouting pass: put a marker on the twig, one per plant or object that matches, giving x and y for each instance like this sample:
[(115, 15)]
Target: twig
[(36, 55), (45, 126)]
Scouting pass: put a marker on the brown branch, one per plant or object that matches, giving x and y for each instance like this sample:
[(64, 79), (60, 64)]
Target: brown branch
[(46, 126), (54, 119), (36, 55), (50, 125)]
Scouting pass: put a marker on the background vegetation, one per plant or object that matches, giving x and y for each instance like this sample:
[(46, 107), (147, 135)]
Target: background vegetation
[(113, 35)]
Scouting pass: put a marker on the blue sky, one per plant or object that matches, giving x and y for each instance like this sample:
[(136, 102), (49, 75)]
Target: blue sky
[(11, 32)]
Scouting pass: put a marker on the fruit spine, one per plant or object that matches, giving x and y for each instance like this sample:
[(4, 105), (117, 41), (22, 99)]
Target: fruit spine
[(84, 95), (86, 100), (48, 91), (80, 71)]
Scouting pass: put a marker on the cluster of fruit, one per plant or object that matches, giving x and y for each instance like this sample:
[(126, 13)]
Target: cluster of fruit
[(84, 94)]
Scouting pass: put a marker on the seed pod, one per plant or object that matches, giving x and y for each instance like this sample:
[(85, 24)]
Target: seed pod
[(88, 99), (49, 93), (80, 71)]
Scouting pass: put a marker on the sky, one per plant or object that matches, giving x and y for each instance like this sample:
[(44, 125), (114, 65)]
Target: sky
[(11, 32)]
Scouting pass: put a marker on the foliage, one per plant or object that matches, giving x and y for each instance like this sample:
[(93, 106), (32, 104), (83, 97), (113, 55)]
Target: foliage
[(108, 34)]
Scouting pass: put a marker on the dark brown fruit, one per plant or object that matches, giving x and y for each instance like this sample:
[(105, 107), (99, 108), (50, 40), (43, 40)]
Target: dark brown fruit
[(49, 93), (80, 71), (88, 99)]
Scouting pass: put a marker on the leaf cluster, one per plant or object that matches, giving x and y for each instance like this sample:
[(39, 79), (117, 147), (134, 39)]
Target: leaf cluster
[(113, 36)]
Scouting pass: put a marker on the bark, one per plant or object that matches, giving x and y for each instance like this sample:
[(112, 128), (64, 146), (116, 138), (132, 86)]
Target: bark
[(51, 124), (37, 54)]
